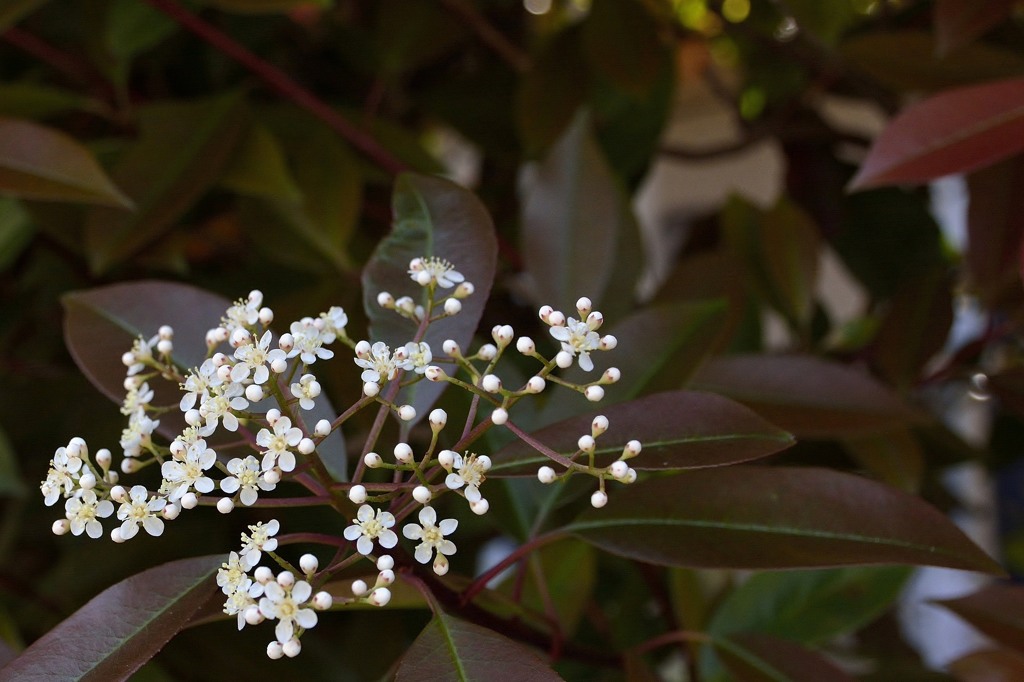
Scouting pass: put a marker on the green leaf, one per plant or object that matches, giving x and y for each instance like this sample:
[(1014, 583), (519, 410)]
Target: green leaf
[(808, 396), (953, 132), (121, 628), (452, 649), (678, 430), (181, 153), (551, 92), (259, 168), (622, 41), (997, 610), (575, 221), (761, 517), (432, 218), (37, 162), (906, 61), (779, 249), (16, 231), (763, 658), (100, 324)]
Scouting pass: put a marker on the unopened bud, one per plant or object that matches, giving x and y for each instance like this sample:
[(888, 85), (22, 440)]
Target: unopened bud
[(598, 499), (594, 393), (308, 563), (452, 306), (403, 453), (357, 494), (546, 475), (421, 494), (438, 419), (499, 416), (490, 383), (406, 413), (372, 460)]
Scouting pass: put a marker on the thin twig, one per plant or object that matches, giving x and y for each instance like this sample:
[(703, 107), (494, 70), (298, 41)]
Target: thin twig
[(283, 84)]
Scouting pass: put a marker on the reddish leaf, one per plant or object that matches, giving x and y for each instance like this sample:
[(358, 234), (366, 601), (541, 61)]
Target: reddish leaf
[(121, 628), (958, 22), (808, 396), (996, 610), (452, 649), (995, 226), (992, 665), (678, 429), (773, 517), (37, 162), (894, 457), (759, 657), (432, 217), (954, 132)]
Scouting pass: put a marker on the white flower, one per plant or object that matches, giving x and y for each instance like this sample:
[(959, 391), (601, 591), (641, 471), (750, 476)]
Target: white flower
[(308, 342), (219, 403), (380, 366), (138, 434), (244, 313), (425, 271), (431, 535), (137, 399), (239, 601), (470, 473), (369, 526), (253, 358), (284, 604), (84, 510), (246, 474), (334, 321), (261, 540), (306, 390), (182, 476), (138, 510), (417, 356), (198, 383), (141, 354), (232, 575), (578, 338), (276, 444), (63, 473)]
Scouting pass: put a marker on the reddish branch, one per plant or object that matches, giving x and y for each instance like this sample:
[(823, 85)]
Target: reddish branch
[(283, 84)]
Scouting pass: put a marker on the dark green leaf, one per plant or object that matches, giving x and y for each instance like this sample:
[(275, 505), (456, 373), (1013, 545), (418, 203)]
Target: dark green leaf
[(258, 167), (623, 43), (574, 223), (551, 92), (809, 396), (432, 218), (763, 658), (37, 162), (996, 610), (182, 151), (450, 649), (121, 628), (760, 517), (678, 430)]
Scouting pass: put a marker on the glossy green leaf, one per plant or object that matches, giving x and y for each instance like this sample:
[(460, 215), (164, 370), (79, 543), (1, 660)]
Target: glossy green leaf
[(997, 610), (959, 22), (678, 430), (573, 225), (763, 658), (181, 152), (906, 61), (995, 228), (100, 324), (551, 92), (774, 517), (16, 231), (121, 628), (453, 649), (988, 665), (37, 162), (779, 248), (622, 41), (259, 168), (432, 218), (957, 131), (808, 396), (895, 457)]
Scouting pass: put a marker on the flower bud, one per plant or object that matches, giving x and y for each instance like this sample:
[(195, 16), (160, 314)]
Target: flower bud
[(563, 359), (479, 507), (386, 577), (272, 415), (403, 453), (322, 429), (586, 443), (275, 650), (372, 460), (451, 348), (406, 305), (385, 300), (441, 564), (608, 342), (371, 389), (225, 505), (556, 319), (272, 476), (357, 494), (254, 393), (170, 512), (279, 366), (224, 373), (266, 316), (452, 306), (490, 383), (434, 373), (618, 469), (632, 449), (599, 425), (385, 563), (119, 494), (381, 596), (594, 322), (594, 393), (545, 313), (525, 345), (362, 350), (583, 306), (502, 335), (306, 446), (240, 337), (252, 615), (406, 413), (446, 458), (546, 475), (189, 501), (630, 476), (611, 375), (128, 359), (308, 563), (164, 346), (165, 332), (487, 352), (499, 416), (263, 575), (535, 384), (87, 481), (292, 647), (421, 494), (438, 418), (61, 527), (464, 290), (285, 578), (116, 535), (322, 601), (598, 499)]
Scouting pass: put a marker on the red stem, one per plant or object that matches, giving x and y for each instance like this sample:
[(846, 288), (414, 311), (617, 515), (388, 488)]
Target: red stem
[(279, 81)]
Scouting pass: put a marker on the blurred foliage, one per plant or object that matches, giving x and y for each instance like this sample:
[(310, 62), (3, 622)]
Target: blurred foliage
[(738, 184)]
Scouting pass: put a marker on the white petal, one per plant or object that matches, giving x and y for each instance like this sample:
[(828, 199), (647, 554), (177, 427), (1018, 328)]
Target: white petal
[(454, 481), (388, 539), (428, 517), (423, 553), (448, 526), (412, 531)]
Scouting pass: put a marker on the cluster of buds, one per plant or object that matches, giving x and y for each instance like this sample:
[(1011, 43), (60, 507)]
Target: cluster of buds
[(618, 470)]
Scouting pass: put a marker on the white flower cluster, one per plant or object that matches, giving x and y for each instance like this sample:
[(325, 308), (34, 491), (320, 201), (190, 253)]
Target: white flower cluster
[(224, 392)]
